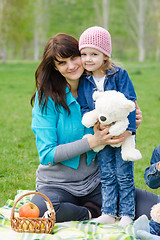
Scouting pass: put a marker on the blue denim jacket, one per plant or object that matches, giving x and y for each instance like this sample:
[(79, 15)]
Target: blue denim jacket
[(152, 175), (116, 79), (53, 127)]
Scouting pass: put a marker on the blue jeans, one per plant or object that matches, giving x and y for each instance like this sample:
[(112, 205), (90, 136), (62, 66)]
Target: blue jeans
[(117, 181), (152, 175), (154, 228)]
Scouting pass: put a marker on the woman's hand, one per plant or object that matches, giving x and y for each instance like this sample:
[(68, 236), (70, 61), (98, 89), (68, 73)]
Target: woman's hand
[(138, 115), (123, 135), (102, 137)]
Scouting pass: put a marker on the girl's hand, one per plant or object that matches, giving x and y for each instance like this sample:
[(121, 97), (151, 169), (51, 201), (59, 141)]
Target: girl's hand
[(102, 137), (138, 115)]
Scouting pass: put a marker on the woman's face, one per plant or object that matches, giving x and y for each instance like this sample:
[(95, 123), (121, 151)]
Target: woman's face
[(71, 68)]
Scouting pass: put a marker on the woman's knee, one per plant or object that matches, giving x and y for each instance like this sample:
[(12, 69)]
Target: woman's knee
[(66, 208), (144, 202), (71, 212), (40, 202)]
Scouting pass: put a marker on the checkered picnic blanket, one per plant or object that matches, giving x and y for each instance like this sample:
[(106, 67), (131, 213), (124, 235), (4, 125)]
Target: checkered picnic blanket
[(62, 231)]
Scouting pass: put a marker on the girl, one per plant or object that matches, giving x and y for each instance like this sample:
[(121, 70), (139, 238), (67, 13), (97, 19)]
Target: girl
[(116, 175)]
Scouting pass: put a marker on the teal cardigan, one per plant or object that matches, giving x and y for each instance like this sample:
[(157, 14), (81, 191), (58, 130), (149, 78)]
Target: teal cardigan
[(52, 128)]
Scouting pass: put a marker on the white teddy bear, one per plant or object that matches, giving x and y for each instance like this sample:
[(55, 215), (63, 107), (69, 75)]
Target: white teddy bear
[(112, 108)]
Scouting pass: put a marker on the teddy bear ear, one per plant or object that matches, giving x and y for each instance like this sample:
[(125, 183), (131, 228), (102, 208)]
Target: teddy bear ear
[(96, 95)]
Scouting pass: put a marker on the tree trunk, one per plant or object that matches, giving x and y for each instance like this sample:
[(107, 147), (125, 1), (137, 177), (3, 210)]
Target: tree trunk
[(37, 29), (157, 13), (141, 19), (158, 45), (36, 46), (102, 16), (4, 53), (136, 20), (105, 7)]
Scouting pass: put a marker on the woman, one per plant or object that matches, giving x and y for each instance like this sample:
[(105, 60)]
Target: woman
[(68, 172)]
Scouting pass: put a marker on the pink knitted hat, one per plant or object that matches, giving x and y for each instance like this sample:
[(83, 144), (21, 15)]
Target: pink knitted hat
[(98, 38)]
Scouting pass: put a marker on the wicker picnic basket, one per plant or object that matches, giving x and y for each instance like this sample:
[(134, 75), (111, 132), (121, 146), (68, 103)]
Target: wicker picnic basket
[(33, 225)]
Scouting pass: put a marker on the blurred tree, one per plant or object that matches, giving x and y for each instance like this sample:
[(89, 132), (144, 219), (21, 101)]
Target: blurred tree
[(157, 20), (37, 27), (136, 25), (102, 12), (26, 25), (41, 24), (16, 22), (71, 16), (3, 30), (105, 6), (141, 30)]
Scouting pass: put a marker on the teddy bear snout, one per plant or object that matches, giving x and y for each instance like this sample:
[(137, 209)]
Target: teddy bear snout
[(103, 118)]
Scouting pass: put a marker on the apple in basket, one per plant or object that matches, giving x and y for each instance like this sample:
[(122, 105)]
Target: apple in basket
[(29, 210)]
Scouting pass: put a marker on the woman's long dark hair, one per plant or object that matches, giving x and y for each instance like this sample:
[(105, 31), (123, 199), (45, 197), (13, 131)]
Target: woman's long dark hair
[(49, 81)]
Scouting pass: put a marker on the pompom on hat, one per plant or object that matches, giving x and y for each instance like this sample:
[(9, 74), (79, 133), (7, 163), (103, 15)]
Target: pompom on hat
[(97, 38)]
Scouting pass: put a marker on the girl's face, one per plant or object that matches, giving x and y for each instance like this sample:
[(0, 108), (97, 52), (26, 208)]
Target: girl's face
[(93, 60), (71, 68)]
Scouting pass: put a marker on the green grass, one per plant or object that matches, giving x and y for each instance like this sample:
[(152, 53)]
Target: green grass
[(18, 158), (18, 153), (145, 78)]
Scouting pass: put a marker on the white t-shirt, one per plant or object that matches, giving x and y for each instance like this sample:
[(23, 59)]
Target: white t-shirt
[(99, 83)]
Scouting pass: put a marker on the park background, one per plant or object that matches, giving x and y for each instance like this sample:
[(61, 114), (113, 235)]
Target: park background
[(26, 26)]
